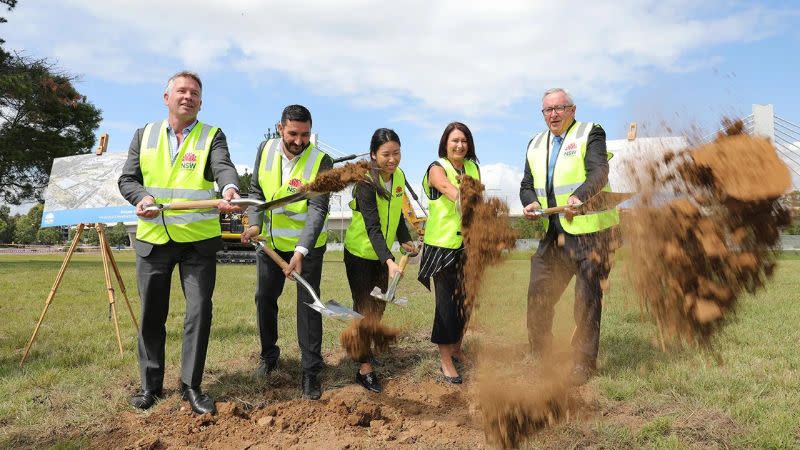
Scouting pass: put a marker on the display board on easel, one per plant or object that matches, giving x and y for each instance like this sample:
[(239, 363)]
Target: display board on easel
[(70, 187)]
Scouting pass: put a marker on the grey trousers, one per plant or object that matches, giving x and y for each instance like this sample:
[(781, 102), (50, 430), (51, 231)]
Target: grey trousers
[(198, 268)]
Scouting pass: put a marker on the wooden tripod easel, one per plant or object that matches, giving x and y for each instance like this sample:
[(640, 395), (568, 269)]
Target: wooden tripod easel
[(108, 264)]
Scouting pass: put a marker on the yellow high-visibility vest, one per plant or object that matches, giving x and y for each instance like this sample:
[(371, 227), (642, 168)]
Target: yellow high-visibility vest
[(390, 211), (569, 174), (184, 180), (281, 227), (443, 228)]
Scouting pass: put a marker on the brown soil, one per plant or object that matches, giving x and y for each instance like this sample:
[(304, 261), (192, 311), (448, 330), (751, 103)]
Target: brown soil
[(713, 238), (363, 336), (518, 397), (486, 230), (338, 178), (411, 412), (515, 397)]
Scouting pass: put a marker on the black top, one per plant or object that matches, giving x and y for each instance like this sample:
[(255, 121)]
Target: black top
[(367, 205)]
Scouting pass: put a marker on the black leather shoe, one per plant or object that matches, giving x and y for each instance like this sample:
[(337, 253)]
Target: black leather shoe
[(312, 389), (145, 398), (580, 374), (452, 380), (201, 403), (375, 361), (266, 367), (369, 381)]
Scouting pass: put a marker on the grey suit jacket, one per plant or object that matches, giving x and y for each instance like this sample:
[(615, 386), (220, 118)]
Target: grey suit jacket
[(317, 206), (218, 168)]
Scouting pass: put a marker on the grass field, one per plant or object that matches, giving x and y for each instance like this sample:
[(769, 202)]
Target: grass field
[(745, 396)]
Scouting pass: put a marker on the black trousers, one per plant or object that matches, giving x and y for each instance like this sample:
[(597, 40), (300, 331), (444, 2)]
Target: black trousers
[(362, 276), (198, 269), (269, 286), (552, 268), (449, 319)]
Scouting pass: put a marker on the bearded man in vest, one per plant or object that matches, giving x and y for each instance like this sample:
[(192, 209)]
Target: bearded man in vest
[(297, 233), (567, 164), (173, 160)]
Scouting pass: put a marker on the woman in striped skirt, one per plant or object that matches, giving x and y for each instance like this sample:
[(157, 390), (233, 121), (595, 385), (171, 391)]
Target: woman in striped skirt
[(444, 248)]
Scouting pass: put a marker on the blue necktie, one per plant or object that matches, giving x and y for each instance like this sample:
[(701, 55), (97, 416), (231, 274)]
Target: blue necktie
[(557, 140)]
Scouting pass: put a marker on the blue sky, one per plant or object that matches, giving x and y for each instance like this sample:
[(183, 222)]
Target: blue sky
[(416, 65)]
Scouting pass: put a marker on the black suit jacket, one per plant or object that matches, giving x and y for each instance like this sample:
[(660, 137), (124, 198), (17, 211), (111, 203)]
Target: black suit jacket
[(218, 168)]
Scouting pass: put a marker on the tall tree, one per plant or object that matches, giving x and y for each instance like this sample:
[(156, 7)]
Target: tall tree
[(9, 4), (244, 182), (42, 117), (118, 235), (7, 223)]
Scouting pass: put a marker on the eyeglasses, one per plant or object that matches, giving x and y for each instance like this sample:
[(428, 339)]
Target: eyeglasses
[(559, 109)]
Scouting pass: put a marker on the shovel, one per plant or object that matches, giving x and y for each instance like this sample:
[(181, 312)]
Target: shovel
[(391, 290), (329, 309), (599, 202), (259, 205)]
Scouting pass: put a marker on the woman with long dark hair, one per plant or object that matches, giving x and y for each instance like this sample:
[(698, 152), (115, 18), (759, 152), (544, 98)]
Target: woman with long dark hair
[(377, 222), (443, 250)]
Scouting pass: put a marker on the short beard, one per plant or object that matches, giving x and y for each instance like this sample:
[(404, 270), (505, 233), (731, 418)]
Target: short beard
[(288, 147)]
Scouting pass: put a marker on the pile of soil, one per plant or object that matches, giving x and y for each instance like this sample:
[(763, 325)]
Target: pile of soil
[(705, 230), (486, 230), (367, 334), (409, 413), (338, 178)]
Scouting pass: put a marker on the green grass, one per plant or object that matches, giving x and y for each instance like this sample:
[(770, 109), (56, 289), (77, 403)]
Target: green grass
[(747, 395)]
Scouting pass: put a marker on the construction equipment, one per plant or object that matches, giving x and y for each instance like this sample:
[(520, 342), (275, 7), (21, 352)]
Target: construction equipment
[(331, 308)]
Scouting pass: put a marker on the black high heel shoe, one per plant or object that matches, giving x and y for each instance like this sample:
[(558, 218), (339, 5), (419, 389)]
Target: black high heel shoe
[(452, 380)]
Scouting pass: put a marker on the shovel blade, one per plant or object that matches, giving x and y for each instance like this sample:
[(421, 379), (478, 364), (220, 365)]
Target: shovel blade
[(401, 301), (335, 310), (377, 293)]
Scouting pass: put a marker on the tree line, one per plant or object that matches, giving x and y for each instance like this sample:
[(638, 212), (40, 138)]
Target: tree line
[(25, 229)]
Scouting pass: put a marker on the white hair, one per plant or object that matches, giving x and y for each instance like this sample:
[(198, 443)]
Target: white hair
[(556, 91), (184, 74)]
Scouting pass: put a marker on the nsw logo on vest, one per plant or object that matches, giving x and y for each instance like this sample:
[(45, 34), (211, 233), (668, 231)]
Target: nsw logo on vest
[(570, 150), (189, 161), (294, 185), (398, 191)]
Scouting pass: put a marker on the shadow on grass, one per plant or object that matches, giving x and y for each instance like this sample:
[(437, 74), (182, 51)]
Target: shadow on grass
[(625, 352)]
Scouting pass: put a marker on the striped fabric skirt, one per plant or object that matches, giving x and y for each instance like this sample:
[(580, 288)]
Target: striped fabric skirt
[(436, 259)]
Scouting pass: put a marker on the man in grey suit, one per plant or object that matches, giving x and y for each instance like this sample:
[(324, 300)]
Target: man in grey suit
[(177, 159), (296, 232)]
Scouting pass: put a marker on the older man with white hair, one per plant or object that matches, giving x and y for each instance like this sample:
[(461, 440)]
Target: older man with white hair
[(567, 164)]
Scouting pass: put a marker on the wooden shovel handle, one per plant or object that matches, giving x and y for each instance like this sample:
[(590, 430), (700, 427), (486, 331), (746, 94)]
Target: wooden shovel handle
[(403, 262), (274, 256), (194, 204)]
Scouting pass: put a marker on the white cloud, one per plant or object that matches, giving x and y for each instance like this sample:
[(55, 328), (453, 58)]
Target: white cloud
[(470, 58), (502, 181), (242, 168)]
